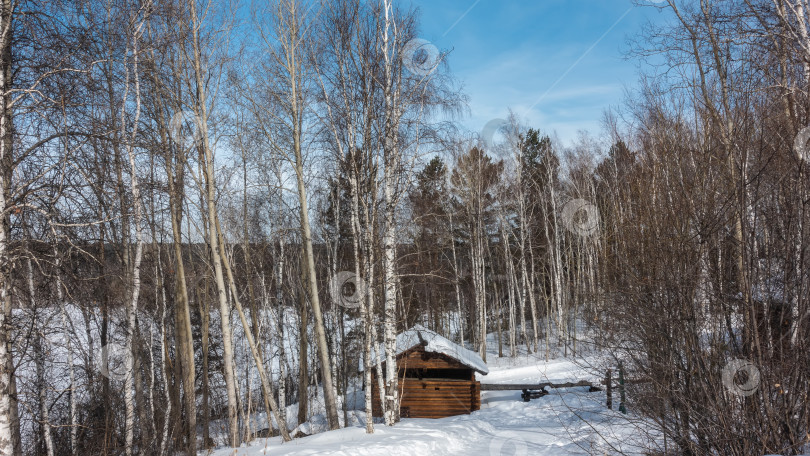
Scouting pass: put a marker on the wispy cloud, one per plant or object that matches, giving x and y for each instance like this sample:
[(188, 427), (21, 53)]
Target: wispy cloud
[(552, 63)]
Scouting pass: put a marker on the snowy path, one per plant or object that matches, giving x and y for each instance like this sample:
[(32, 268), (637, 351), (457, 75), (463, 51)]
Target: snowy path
[(566, 422)]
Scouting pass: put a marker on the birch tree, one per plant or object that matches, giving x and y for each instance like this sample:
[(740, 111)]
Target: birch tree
[(473, 183), (197, 76), (413, 88), (346, 95), (135, 30), (288, 43), (165, 76), (391, 161), (23, 76), (8, 421)]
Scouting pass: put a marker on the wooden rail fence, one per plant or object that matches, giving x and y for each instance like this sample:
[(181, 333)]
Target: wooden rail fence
[(537, 390)]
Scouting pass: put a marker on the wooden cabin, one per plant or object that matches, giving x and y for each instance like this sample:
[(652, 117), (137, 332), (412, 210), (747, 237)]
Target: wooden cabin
[(436, 376)]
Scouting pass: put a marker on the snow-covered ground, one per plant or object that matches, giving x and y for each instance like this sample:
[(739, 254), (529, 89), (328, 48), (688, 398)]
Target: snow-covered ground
[(567, 421)]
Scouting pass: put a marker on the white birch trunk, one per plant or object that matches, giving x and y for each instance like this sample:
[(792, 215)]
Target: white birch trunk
[(456, 285), (511, 287), (151, 381), (7, 419), (555, 248), (135, 285), (164, 441), (365, 309), (282, 354), (74, 425), (525, 289), (390, 163), (480, 287), (795, 312)]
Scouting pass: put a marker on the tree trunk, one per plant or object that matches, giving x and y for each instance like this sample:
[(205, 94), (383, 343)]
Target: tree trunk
[(164, 441), (182, 311), (205, 321), (39, 360), (303, 355), (456, 284), (365, 314), (201, 111), (74, 425), (281, 324), (525, 282), (9, 422), (267, 393), (312, 286), (510, 287), (391, 165), (135, 273)]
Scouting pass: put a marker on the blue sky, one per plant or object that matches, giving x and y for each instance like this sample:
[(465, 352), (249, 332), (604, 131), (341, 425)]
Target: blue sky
[(532, 56)]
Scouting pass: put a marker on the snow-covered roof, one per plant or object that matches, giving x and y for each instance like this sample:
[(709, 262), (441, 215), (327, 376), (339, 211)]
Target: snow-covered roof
[(434, 343)]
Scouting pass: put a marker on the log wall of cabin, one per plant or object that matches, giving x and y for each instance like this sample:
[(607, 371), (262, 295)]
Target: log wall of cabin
[(432, 397)]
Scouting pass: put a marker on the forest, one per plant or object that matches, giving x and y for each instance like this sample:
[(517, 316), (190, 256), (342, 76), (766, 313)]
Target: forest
[(212, 209)]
